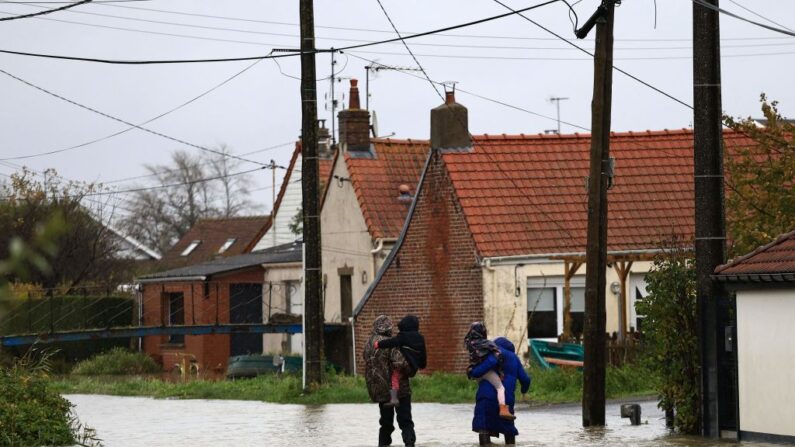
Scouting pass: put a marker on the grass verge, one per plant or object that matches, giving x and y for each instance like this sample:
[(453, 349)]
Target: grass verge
[(549, 386)]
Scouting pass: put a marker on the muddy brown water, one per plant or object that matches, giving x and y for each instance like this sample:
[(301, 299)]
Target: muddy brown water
[(137, 421)]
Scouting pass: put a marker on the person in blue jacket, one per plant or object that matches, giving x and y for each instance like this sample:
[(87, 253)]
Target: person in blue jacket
[(487, 421)]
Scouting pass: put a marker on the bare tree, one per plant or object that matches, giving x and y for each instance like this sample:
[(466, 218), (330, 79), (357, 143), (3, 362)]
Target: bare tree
[(190, 188)]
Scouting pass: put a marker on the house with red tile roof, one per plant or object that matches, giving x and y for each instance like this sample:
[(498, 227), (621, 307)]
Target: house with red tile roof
[(764, 284), (287, 204), (370, 189), (497, 232), (215, 237)]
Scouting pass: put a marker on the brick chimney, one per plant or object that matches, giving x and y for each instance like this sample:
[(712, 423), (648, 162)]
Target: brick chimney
[(354, 125), (324, 149), (450, 125)]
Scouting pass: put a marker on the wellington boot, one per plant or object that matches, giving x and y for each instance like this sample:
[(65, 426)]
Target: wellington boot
[(505, 413), (393, 399)]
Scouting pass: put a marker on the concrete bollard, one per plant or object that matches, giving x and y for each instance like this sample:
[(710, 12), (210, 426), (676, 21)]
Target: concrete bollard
[(631, 411)]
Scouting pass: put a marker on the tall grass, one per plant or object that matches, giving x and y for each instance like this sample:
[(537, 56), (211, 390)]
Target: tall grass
[(549, 386), (117, 361)]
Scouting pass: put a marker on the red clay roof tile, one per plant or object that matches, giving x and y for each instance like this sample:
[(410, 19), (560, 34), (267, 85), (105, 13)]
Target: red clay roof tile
[(376, 182), (525, 194), (775, 257)]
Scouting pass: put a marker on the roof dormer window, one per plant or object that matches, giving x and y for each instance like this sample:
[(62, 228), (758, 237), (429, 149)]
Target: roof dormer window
[(190, 248), (226, 245)]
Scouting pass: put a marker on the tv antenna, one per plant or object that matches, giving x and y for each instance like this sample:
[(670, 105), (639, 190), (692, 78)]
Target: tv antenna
[(557, 100), (377, 67)]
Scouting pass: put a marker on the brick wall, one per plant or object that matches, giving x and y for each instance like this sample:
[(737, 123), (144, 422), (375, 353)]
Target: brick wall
[(210, 351), (434, 275)]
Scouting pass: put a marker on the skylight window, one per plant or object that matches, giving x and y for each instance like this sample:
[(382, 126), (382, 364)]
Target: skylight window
[(226, 245), (190, 248)]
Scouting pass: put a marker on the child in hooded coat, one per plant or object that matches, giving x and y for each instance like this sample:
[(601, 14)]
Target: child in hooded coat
[(479, 348), (412, 345)]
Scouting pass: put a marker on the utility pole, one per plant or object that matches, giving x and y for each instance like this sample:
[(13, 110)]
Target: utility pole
[(333, 101), (273, 200), (557, 101), (709, 194), (313, 304), (593, 397)]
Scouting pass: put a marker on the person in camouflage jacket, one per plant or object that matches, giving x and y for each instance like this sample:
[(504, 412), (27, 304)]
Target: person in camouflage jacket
[(379, 364)]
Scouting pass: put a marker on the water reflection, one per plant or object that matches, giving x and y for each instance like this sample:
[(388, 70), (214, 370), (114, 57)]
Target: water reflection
[(134, 421)]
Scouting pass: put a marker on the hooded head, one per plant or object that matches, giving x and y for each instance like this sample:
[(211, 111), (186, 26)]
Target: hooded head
[(477, 331), (506, 344), (382, 325), (409, 323)]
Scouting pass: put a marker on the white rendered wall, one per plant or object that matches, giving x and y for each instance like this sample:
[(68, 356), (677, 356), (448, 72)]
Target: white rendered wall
[(766, 361)]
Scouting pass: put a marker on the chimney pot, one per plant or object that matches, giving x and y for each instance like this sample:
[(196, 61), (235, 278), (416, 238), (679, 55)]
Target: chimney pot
[(450, 125), (354, 124)]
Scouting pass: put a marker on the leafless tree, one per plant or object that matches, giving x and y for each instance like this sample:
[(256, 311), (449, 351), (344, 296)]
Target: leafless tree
[(190, 188)]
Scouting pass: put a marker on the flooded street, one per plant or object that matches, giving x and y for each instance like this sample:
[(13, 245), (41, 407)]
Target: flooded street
[(136, 421)]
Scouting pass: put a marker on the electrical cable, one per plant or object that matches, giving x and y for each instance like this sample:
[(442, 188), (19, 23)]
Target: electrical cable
[(49, 11), (625, 73), (274, 56), (497, 47), (704, 4), (472, 139), (145, 129), (371, 30), (760, 16), (97, 140), (486, 98)]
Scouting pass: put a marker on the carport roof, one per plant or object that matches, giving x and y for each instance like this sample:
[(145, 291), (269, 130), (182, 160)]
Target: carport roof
[(774, 262), (280, 254)]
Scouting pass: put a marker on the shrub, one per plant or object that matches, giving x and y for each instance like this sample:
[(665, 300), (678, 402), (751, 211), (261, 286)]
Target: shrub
[(671, 336), (117, 361), (32, 413)]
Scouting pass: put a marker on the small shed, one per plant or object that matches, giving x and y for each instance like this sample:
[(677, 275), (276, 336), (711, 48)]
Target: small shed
[(764, 281), (246, 288)]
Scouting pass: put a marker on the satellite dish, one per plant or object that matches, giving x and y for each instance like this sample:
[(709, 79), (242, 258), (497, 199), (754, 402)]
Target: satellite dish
[(374, 125)]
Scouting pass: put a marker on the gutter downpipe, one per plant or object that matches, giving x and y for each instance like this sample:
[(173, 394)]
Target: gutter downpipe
[(493, 271), (140, 295), (352, 320), (378, 248)]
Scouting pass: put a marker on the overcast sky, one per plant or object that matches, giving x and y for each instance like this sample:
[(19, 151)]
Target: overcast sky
[(509, 60)]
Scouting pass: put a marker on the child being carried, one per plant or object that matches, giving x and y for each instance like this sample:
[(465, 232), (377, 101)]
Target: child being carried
[(479, 349), (412, 345)]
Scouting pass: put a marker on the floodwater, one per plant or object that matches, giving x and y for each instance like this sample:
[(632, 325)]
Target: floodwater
[(136, 421)]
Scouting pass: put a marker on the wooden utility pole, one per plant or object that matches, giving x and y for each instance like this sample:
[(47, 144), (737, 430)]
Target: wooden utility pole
[(593, 396), (313, 304), (710, 218)]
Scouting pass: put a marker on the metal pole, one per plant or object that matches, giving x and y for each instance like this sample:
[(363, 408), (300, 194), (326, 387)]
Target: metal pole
[(313, 312), (333, 102), (593, 398), (710, 241)]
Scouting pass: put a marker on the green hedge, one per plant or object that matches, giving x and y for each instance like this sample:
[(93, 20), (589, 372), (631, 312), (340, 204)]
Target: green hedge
[(67, 313)]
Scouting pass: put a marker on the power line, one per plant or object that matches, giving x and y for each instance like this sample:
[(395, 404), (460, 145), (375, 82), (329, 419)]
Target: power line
[(49, 11), (704, 4), (371, 30), (760, 16), (485, 98), (274, 56), (494, 162), (145, 129), (625, 73), (95, 2), (167, 171), (553, 58), (444, 45), (171, 185), (195, 98)]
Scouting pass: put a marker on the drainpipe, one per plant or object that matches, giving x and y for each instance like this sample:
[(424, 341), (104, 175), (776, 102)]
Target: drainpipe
[(493, 292), (139, 292), (378, 248), (352, 320)]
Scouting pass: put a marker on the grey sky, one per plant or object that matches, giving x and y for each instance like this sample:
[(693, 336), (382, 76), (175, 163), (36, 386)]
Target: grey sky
[(260, 108)]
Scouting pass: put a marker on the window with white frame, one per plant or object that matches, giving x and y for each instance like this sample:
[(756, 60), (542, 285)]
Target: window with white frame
[(545, 301), (226, 245), (190, 248)]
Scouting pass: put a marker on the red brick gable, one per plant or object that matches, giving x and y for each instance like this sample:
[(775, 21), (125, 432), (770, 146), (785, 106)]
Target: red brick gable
[(377, 180), (525, 194), (433, 273), (777, 257)]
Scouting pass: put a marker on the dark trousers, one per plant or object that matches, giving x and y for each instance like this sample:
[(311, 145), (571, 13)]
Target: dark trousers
[(404, 421)]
